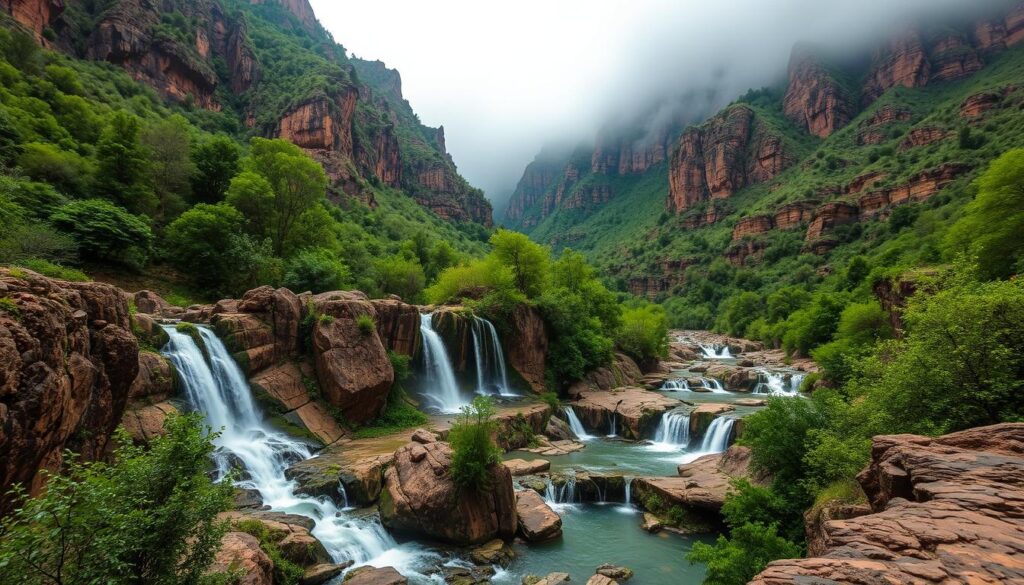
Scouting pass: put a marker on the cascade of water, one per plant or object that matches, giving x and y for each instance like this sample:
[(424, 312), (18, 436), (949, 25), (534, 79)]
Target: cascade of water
[(675, 386), (439, 382), (628, 499), (715, 351), (673, 432), (795, 381), (713, 385), (716, 438), (613, 425), (491, 372), (775, 384), (218, 389), (575, 425)]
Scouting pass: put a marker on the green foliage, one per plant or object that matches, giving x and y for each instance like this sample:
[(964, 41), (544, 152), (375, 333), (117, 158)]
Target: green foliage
[(473, 449), (527, 260), (285, 571), (122, 168), (991, 227), (747, 551), (316, 270), (737, 313), (400, 276), (861, 326), (47, 268), (150, 516), (366, 325), (644, 333), (215, 162), (105, 231), (10, 307)]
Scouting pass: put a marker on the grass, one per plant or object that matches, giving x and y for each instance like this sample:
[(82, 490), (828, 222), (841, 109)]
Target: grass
[(8, 306), (52, 270), (398, 415), (843, 491)]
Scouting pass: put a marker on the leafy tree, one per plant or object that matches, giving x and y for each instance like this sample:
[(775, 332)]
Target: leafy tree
[(316, 270), (861, 326), (738, 311), (204, 236), (473, 449), (400, 276), (747, 551), (69, 172), (251, 194), (990, 230), (644, 333), (148, 517), (216, 161), (105, 231), (122, 167), (527, 260), (170, 169)]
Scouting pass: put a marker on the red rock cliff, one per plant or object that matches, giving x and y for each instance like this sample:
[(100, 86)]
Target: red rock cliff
[(814, 100), (36, 15)]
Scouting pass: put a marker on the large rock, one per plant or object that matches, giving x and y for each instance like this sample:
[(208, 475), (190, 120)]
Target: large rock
[(420, 499), (702, 484), (240, 553), (623, 371), (284, 386), (527, 345), (352, 365), (323, 475), (67, 363), (145, 423), (814, 99), (537, 521), (634, 410), (374, 576), (523, 467), (155, 380), (946, 510), (398, 324)]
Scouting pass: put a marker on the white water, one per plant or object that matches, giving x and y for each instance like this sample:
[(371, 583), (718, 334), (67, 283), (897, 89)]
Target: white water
[(716, 438), (438, 383), (776, 384), (491, 374), (218, 389), (627, 506), (675, 386), (713, 385), (575, 425), (613, 426), (716, 352), (564, 497), (672, 434)]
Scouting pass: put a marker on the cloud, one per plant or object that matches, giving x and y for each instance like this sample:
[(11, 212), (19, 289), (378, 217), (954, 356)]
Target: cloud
[(504, 78)]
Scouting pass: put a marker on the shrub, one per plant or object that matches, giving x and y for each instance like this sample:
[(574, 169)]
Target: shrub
[(105, 231), (473, 449), (150, 516), (400, 276), (365, 324), (52, 270), (285, 571), (644, 333), (737, 559), (316, 270)]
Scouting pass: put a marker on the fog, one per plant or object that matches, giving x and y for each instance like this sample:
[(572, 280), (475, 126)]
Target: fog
[(506, 78)]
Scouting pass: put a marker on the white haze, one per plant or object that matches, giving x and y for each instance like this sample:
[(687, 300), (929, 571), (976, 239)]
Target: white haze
[(506, 77)]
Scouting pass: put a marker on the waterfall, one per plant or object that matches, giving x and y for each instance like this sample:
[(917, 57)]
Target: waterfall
[(563, 497), (795, 381), (627, 501), (491, 374), (218, 389), (675, 386), (439, 385), (713, 385), (575, 425), (672, 434), (716, 438), (775, 383), (613, 425), (715, 351)]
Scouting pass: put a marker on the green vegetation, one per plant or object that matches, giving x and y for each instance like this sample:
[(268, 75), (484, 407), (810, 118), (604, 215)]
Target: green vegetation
[(149, 516), (473, 449), (365, 325), (285, 571), (399, 413)]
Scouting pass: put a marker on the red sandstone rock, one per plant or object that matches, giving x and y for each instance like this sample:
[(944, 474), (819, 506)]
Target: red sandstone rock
[(814, 100), (979, 103), (702, 484), (36, 15), (752, 226), (241, 552), (901, 62), (527, 345), (398, 324), (633, 408), (420, 499), (829, 216), (923, 137), (952, 57), (792, 215), (537, 521)]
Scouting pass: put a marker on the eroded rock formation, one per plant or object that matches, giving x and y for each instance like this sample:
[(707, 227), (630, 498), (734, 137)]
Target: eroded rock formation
[(814, 100)]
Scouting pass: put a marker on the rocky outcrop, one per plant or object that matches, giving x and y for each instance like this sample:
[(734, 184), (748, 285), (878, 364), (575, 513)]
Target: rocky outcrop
[(321, 476), (419, 498), (873, 129), (632, 411), (539, 176), (701, 485), (893, 293), (527, 345), (919, 187), (147, 398), (352, 365), (952, 57), (262, 329), (793, 215), (375, 576), (728, 152), (323, 123), (398, 325), (977, 104), (752, 225), (35, 15), (240, 553), (745, 253), (923, 137), (946, 509), (537, 521), (814, 100), (68, 360), (902, 61), (830, 216), (300, 9)]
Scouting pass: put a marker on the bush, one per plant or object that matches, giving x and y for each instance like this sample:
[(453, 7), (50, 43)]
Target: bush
[(401, 276), (316, 270), (737, 559), (52, 270), (644, 333), (105, 231), (473, 449), (365, 324), (148, 517)]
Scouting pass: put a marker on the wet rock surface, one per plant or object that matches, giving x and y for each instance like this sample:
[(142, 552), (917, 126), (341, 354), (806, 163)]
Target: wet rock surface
[(947, 509), (631, 410), (537, 521)]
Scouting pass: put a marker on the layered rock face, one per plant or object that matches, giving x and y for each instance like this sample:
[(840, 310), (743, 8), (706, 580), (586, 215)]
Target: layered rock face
[(538, 177), (829, 216), (726, 153), (814, 100), (946, 509), (36, 15), (67, 363), (420, 499)]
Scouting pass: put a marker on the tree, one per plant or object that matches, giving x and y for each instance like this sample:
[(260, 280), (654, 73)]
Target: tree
[(216, 161), (644, 333), (990, 229), (473, 449), (738, 311), (148, 517), (104, 231), (252, 195), (204, 236), (316, 270), (748, 550), (400, 276), (122, 166), (528, 260), (68, 171), (170, 168)]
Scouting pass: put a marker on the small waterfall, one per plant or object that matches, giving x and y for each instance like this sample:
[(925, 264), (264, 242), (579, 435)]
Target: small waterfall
[(776, 384), (716, 438), (218, 389), (713, 385), (675, 386), (491, 373), (715, 351), (673, 432), (564, 496), (438, 385), (613, 425), (575, 425), (628, 499), (795, 381)]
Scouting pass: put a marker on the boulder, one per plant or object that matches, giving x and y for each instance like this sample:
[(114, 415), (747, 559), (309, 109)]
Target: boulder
[(615, 572), (423, 437), (701, 417), (323, 475), (523, 467), (945, 510), (285, 386), (322, 573), (148, 331), (601, 580), (551, 579), (155, 380), (557, 429), (735, 378), (375, 576), (537, 521), (552, 448), (150, 303), (702, 484), (634, 410), (420, 499), (622, 372), (527, 345), (290, 533), (352, 365), (495, 552), (651, 523), (240, 553), (398, 324), (68, 360), (146, 423)]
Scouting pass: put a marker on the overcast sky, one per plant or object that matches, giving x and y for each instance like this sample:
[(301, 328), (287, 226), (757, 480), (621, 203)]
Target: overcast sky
[(505, 77)]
